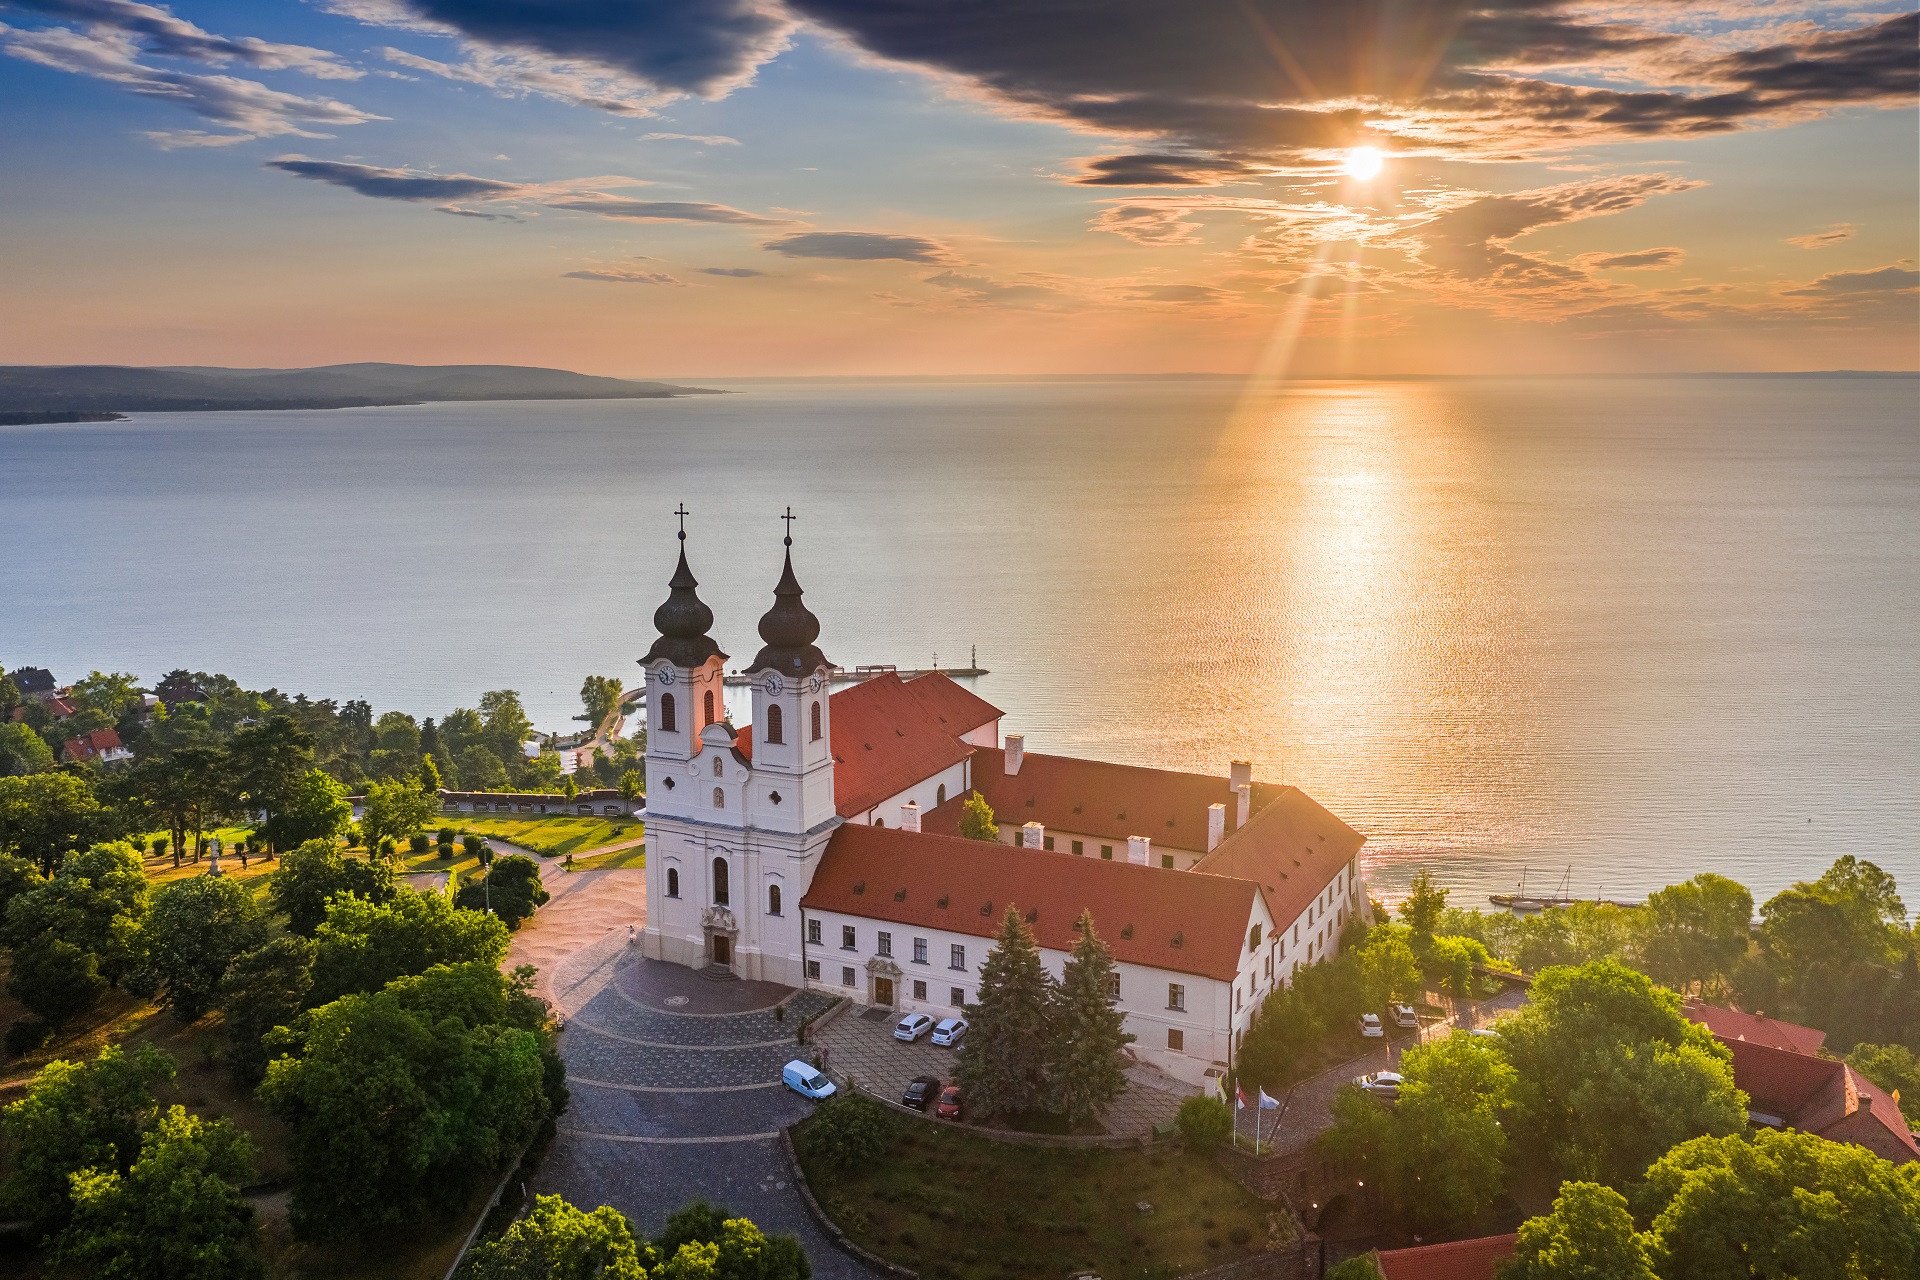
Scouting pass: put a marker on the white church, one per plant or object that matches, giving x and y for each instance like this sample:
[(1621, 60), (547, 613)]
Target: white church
[(819, 846)]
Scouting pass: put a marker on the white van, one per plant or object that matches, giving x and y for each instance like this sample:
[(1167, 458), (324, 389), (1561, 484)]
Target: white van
[(805, 1081)]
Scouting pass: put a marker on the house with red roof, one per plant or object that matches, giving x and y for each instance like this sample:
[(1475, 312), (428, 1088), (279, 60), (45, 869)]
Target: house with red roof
[(818, 845), (1477, 1259), (102, 746)]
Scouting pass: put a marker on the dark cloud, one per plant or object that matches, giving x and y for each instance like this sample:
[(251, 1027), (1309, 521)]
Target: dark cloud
[(1162, 170), (1898, 279), (1471, 239), (703, 47), (621, 275), (986, 291), (395, 184), (738, 273), (860, 246), (663, 211), (1641, 259), (1868, 64)]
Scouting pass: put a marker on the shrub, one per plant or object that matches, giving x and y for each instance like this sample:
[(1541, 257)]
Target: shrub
[(444, 838), (472, 843), (511, 888), (848, 1130), (417, 842), (1204, 1123), (1359, 1268), (27, 1035), (388, 849)]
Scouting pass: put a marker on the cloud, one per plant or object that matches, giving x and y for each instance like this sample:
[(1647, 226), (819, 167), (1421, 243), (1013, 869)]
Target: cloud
[(663, 211), (738, 273), (860, 246), (1838, 233), (1470, 239), (156, 30), (1880, 280), (1642, 259), (707, 139), (512, 74), (1160, 170), (395, 184), (985, 291), (622, 275), (1188, 294), (246, 108)]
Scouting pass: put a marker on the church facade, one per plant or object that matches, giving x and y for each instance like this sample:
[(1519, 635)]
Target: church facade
[(818, 846)]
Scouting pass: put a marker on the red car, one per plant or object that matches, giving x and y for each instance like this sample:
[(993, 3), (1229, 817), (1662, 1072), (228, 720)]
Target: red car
[(949, 1107)]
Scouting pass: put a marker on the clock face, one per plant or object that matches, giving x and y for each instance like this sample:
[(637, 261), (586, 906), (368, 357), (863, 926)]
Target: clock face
[(666, 675), (774, 685), (814, 683)]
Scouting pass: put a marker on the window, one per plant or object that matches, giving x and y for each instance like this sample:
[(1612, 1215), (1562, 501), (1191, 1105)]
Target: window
[(1046, 842), (1283, 948), (706, 703), (1106, 851), (883, 945), (1176, 996), (847, 939), (1253, 938), (816, 722), (1296, 935), (719, 797), (720, 882), (1113, 986), (1236, 997), (719, 767), (956, 957), (813, 932), (846, 975), (919, 950), (940, 796), (1079, 848), (773, 724), (1176, 1040), (666, 714), (1341, 919), (813, 970), (919, 990), (673, 882), (879, 822), (773, 899), (1166, 862), (1269, 966), (957, 997)]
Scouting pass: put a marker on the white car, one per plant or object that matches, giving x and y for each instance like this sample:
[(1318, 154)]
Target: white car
[(804, 1080), (912, 1027), (949, 1031), (1370, 1026), (1404, 1016), (1484, 1033), (1381, 1084)]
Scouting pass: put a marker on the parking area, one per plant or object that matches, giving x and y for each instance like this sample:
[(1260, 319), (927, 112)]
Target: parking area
[(859, 1046)]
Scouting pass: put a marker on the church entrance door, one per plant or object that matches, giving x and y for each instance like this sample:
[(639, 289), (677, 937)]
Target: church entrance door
[(722, 949), (883, 992)]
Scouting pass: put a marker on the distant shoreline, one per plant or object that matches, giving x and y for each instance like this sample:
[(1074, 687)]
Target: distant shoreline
[(39, 417), (1249, 377)]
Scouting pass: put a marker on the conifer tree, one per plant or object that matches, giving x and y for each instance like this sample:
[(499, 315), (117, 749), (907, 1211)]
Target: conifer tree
[(1088, 1032), (1003, 1060)]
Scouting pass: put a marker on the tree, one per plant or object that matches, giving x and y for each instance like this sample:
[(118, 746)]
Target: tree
[(556, 1241), (177, 1214), (197, 928), (429, 775), (1781, 1204), (361, 946), (1360, 1267), (1588, 1235), (317, 810), (1003, 1060), (77, 1115), (976, 819), (1833, 947), (395, 810), (269, 763), (632, 786), (1611, 1074), (401, 1098), (1453, 959), (599, 695), (702, 1242), (480, 769), (1389, 970), (1695, 932), (45, 817), (205, 782), (1088, 1032), (112, 695), (1204, 1122), (98, 901), (263, 989), (1450, 1148), (22, 751), (847, 1131), (17, 876), (504, 722), (55, 979), (511, 887), (312, 873), (1425, 903)]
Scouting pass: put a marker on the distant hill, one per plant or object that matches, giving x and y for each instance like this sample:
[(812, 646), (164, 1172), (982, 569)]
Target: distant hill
[(109, 388)]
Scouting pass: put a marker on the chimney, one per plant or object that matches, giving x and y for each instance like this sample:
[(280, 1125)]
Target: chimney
[(1138, 847), (1246, 805), (1033, 836), (1016, 752), (1216, 825), (910, 816)]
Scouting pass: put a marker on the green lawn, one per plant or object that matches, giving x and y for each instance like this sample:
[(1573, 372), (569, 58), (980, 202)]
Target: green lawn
[(553, 836), (957, 1207), (631, 859)]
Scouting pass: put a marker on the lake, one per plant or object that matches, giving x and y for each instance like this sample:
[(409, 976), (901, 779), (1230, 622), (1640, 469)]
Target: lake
[(1637, 628)]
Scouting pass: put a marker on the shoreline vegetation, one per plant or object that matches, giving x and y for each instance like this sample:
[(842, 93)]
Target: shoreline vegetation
[(103, 393)]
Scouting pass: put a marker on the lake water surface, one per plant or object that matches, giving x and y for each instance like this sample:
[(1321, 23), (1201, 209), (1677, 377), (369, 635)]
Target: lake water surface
[(1640, 628)]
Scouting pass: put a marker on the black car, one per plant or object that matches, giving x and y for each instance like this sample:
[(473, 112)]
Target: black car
[(921, 1093)]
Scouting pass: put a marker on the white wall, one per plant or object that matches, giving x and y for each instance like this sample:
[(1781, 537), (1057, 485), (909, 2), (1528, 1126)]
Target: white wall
[(925, 793)]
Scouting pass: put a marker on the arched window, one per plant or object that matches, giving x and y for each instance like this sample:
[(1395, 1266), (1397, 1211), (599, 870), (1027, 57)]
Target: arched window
[(940, 796), (666, 714), (773, 899), (774, 727), (719, 797), (720, 897), (879, 822), (673, 882), (706, 703), (816, 722), (719, 767)]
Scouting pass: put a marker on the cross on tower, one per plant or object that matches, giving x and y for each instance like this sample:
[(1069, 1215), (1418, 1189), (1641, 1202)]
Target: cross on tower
[(789, 517), (683, 513)]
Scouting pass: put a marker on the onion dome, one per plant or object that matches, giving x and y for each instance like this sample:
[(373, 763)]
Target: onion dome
[(789, 628), (683, 621)]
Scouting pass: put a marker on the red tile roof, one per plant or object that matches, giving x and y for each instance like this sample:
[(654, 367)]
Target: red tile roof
[(59, 708), (1458, 1260), (91, 745), (1292, 848), (1734, 1024), (956, 709), (1822, 1096), (1168, 919), (1108, 800), (884, 742)]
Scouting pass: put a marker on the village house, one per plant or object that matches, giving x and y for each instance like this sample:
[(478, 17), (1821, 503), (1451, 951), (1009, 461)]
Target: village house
[(818, 845), (102, 746)]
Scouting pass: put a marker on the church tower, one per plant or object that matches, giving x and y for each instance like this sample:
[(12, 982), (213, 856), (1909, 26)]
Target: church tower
[(792, 715)]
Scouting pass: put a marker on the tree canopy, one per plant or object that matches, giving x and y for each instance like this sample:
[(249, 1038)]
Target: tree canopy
[(1004, 1058), (1588, 1235), (361, 946), (312, 873), (1087, 1032), (196, 929)]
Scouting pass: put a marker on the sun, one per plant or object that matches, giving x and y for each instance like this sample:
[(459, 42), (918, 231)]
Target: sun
[(1364, 163)]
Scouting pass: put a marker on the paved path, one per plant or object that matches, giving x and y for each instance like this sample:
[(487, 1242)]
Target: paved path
[(675, 1079)]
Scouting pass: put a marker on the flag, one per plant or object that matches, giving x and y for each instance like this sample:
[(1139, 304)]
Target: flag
[(1266, 1103), (1239, 1098)]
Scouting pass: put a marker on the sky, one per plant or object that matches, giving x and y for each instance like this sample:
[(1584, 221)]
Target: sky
[(721, 188)]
